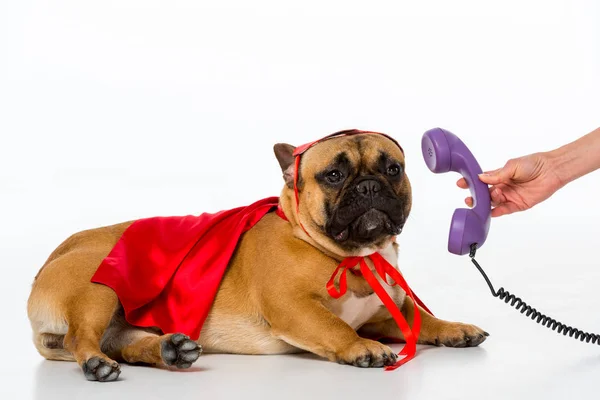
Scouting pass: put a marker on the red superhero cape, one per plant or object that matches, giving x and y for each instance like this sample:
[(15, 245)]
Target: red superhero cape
[(166, 270)]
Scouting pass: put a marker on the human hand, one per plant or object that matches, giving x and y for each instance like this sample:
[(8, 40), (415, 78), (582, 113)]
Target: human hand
[(520, 184)]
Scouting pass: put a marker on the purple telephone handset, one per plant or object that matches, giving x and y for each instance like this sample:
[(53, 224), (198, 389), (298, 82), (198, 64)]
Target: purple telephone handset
[(444, 152)]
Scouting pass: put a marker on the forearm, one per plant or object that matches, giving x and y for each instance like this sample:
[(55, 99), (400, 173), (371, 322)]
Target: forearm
[(578, 158)]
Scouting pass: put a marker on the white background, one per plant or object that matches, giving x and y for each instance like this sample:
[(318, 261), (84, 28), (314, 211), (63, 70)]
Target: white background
[(114, 110)]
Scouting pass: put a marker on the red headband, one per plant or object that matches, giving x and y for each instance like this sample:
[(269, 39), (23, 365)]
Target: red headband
[(301, 149), (298, 151)]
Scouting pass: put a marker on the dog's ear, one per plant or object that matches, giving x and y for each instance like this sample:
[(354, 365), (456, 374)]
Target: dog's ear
[(284, 153)]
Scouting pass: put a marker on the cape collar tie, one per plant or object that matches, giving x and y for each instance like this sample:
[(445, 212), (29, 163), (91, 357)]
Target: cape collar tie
[(383, 268)]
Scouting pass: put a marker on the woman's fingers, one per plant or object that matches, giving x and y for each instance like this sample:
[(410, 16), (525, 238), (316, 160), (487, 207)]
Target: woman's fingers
[(498, 209), (496, 195), (462, 183), (469, 202), (503, 209)]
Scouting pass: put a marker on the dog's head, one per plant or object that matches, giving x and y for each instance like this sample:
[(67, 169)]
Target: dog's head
[(353, 191)]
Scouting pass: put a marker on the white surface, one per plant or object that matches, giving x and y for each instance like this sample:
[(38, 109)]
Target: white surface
[(122, 109)]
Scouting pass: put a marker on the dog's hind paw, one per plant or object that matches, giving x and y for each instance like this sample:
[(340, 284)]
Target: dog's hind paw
[(180, 351)]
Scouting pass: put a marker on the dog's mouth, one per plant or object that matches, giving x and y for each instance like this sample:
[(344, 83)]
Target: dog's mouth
[(367, 228)]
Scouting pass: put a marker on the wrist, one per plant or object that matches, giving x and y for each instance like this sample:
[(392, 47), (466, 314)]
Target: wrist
[(576, 159), (561, 163)]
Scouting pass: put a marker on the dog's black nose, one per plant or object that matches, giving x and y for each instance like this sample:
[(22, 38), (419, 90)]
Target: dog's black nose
[(368, 188)]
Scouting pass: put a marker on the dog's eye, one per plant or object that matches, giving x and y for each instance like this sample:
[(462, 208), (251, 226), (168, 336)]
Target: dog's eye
[(334, 176), (393, 170)]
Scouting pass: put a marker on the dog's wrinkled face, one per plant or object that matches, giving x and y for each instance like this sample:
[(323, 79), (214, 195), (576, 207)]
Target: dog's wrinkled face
[(354, 192)]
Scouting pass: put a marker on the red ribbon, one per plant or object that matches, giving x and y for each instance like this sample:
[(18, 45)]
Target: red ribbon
[(383, 269)]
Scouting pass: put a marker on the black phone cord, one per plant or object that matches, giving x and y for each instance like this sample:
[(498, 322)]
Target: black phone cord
[(534, 314)]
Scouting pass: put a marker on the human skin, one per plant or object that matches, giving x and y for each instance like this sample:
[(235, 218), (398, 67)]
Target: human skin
[(529, 180)]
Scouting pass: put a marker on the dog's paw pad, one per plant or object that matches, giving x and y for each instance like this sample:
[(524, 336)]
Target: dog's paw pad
[(179, 350), (102, 370)]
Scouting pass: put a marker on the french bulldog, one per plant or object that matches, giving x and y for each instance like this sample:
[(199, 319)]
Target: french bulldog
[(354, 198)]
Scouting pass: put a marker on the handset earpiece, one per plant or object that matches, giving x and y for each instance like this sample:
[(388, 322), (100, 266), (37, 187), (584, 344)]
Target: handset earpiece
[(443, 152)]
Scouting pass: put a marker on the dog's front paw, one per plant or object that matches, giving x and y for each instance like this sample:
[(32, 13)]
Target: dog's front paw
[(100, 369), (455, 334), (367, 353), (179, 350)]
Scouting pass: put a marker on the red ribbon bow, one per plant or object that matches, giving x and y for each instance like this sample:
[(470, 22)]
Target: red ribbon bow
[(383, 269)]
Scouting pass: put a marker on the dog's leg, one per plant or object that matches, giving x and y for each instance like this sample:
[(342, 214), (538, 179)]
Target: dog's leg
[(434, 331), (89, 313), (173, 350), (318, 330)]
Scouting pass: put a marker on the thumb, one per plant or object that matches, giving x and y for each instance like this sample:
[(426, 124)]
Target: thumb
[(501, 175)]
